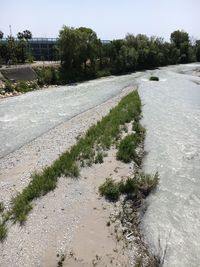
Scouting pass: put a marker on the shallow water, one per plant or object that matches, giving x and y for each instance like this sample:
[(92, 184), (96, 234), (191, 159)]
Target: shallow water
[(172, 118), (25, 117)]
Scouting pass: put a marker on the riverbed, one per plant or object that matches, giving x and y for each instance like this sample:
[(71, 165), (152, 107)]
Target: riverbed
[(171, 115)]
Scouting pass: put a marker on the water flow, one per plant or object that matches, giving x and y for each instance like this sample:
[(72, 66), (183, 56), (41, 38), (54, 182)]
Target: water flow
[(25, 117), (172, 118)]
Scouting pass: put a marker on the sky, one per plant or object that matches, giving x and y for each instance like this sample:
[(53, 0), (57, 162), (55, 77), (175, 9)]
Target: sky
[(110, 19)]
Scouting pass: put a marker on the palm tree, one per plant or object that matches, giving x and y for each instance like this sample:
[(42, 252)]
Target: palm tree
[(20, 35), (27, 34)]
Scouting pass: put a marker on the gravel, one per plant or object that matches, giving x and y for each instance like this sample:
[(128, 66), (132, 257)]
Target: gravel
[(52, 222)]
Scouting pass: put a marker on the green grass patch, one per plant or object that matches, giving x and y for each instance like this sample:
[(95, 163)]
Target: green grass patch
[(139, 186), (25, 87), (126, 151), (154, 78), (1, 207), (3, 231), (110, 190), (102, 135)]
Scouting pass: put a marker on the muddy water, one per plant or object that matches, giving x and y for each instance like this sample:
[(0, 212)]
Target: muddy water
[(172, 118)]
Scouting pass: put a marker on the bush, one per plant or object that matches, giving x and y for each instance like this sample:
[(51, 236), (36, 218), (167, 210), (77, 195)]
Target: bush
[(8, 87), (126, 151), (147, 183), (139, 186), (110, 190), (154, 78), (103, 73), (47, 75), (22, 87), (128, 186)]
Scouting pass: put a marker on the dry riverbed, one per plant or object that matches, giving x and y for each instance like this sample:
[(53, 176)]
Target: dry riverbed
[(72, 225)]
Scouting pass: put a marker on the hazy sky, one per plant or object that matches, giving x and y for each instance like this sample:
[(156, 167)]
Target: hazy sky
[(110, 19)]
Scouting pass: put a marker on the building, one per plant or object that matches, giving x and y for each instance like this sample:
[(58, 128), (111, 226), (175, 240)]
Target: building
[(43, 48)]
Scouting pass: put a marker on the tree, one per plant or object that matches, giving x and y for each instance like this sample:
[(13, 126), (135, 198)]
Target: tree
[(182, 42), (21, 47), (20, 36), (179, 37), (78, 51), (1, 35), (27, 35), (198, 50)]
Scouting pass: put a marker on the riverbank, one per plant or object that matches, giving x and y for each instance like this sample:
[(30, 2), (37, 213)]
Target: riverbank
[(52, 221)]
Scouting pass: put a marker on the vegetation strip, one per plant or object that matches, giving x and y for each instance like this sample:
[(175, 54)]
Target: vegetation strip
[(88, 150), (133, 190)]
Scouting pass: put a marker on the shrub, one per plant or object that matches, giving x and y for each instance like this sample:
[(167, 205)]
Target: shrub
[(147, 182), (154, 78), (126, 151), (22, 87), (8, 87), (103, 73), (47, 75), (128, 186), (110, 190), (139, 185)]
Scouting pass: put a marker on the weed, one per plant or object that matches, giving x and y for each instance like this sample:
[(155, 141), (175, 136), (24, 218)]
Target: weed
[(128, 186), (153, 78), (9, 88), (22, 87), (140, 185), (99, 158), (3, 231), (126, 151), (147, 183), (110, 190), (1, 207)]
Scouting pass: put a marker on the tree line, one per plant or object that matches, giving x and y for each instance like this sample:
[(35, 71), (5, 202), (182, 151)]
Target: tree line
[(83, 56), (15, 50)]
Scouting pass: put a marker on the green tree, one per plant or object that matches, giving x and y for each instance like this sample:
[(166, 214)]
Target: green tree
[(198, 50), (27, 35), (1, 35), (179, 37), (78, 51)]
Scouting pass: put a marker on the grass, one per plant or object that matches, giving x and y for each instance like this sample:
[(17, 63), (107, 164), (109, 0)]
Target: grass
[(154, 78), (102, 135), (110, 190), (126, 151), (127, 146), (139, 186), (25, 87), (1, 207), (3, 231)]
